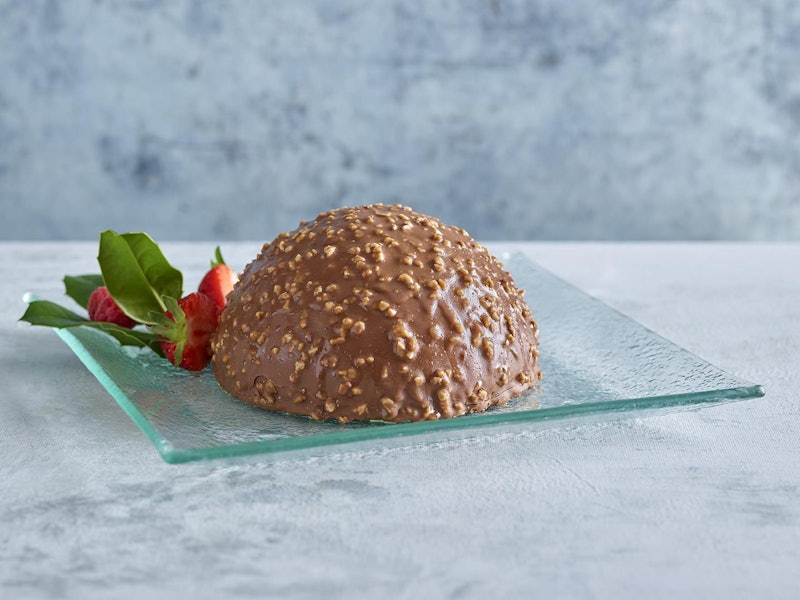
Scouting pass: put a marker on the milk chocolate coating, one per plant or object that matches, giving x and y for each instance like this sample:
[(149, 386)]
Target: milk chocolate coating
[(376, 312)]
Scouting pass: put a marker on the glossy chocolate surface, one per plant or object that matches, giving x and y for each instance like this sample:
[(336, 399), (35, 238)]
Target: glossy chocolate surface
[(376, 312)]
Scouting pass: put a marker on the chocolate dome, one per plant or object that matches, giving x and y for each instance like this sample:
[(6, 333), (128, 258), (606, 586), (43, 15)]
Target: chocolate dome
[(376, 312)]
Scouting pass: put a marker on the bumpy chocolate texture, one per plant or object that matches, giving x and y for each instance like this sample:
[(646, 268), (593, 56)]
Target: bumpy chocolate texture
[(376, 312)]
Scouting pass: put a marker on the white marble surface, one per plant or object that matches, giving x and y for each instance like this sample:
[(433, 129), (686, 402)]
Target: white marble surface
[(702, 503)]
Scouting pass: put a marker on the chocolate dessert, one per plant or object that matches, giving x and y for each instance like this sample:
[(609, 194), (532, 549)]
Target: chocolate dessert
[(376, 313)]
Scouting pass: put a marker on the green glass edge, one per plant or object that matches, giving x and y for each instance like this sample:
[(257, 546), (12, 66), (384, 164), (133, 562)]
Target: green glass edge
[(395, 430), (389, 430), (112, 388)]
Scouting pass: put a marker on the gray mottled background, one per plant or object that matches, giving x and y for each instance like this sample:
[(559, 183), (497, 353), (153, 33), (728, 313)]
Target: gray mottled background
[(589, 119)]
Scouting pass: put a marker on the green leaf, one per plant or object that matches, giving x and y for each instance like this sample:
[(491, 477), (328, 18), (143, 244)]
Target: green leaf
[(80, 287), (137, 274), (171, 329), (50, 314), (218, 260)]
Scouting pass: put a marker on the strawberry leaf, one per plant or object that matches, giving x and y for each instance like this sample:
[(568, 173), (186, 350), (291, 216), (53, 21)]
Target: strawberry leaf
[(137, 274), (218, 260), (159, 320), (50, 314), (80, 287), (170, 327)]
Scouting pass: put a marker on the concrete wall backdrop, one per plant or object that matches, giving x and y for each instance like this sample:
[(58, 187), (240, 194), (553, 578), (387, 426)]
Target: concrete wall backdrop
[(545, 119)]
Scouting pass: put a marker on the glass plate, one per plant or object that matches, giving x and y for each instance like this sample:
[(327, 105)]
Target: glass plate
[(595, 361)]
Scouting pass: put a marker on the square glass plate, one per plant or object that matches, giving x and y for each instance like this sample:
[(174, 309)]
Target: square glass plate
[(595, 362)]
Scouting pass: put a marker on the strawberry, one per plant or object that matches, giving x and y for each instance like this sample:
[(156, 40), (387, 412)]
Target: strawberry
[(102, 307), (219, 281), (137, 284), (185, 330)]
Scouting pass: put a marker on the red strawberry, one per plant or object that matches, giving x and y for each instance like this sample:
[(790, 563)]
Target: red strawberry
[(219, 281), (186, 329), (102, 307)]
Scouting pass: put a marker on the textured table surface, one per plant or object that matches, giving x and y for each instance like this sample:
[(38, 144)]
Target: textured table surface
[(703, 502)]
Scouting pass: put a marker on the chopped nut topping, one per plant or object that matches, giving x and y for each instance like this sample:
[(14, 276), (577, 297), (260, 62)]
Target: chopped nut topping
[(366, 261), (399, 348), (400, 329)]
